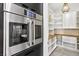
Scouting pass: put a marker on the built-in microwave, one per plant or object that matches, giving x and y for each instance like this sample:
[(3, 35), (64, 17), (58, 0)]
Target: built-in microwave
[(18, 33), (18, 25)]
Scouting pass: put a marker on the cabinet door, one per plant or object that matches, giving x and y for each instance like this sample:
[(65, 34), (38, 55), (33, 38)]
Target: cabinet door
[(69, 20)]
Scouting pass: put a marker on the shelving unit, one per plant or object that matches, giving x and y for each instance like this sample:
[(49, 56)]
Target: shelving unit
[(51, 41), (52, 49), (63, 21), (51, 45), (69, 42)]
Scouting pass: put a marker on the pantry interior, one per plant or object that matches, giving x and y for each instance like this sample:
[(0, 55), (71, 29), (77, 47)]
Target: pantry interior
[(62, 28)]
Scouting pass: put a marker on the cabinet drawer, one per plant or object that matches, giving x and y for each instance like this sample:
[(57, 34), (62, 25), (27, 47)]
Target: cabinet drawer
[(69, 39), (69, 45)]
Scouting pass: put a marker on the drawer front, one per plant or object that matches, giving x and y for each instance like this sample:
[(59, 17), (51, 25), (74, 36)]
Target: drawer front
[(69, 39)]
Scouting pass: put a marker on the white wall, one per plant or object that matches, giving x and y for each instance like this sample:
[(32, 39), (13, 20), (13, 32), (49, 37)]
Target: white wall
[(69, 20), (45, 29)]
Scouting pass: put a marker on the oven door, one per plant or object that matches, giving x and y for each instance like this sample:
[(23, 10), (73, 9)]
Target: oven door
[(38, 31)]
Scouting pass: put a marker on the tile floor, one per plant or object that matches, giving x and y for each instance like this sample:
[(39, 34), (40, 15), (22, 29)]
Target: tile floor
[(59, 51)]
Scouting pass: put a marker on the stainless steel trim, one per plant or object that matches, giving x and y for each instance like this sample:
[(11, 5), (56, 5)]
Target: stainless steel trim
[(14, 8), (4, 39), (23, 15)]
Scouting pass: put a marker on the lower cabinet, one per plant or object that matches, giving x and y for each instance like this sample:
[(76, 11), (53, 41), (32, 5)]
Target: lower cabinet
[(68, 42), (69, 45)]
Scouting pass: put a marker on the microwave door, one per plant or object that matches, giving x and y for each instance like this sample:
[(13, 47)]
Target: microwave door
[(19, 33)]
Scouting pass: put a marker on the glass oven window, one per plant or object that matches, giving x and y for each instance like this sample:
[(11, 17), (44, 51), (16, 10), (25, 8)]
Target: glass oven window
[(18, 33), (37, 31)]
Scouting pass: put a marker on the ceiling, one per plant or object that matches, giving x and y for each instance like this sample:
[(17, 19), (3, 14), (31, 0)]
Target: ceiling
[(57, 7)]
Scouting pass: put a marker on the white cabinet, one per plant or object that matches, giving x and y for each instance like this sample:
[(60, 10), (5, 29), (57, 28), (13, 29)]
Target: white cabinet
[(69, 39), (67, 42)]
